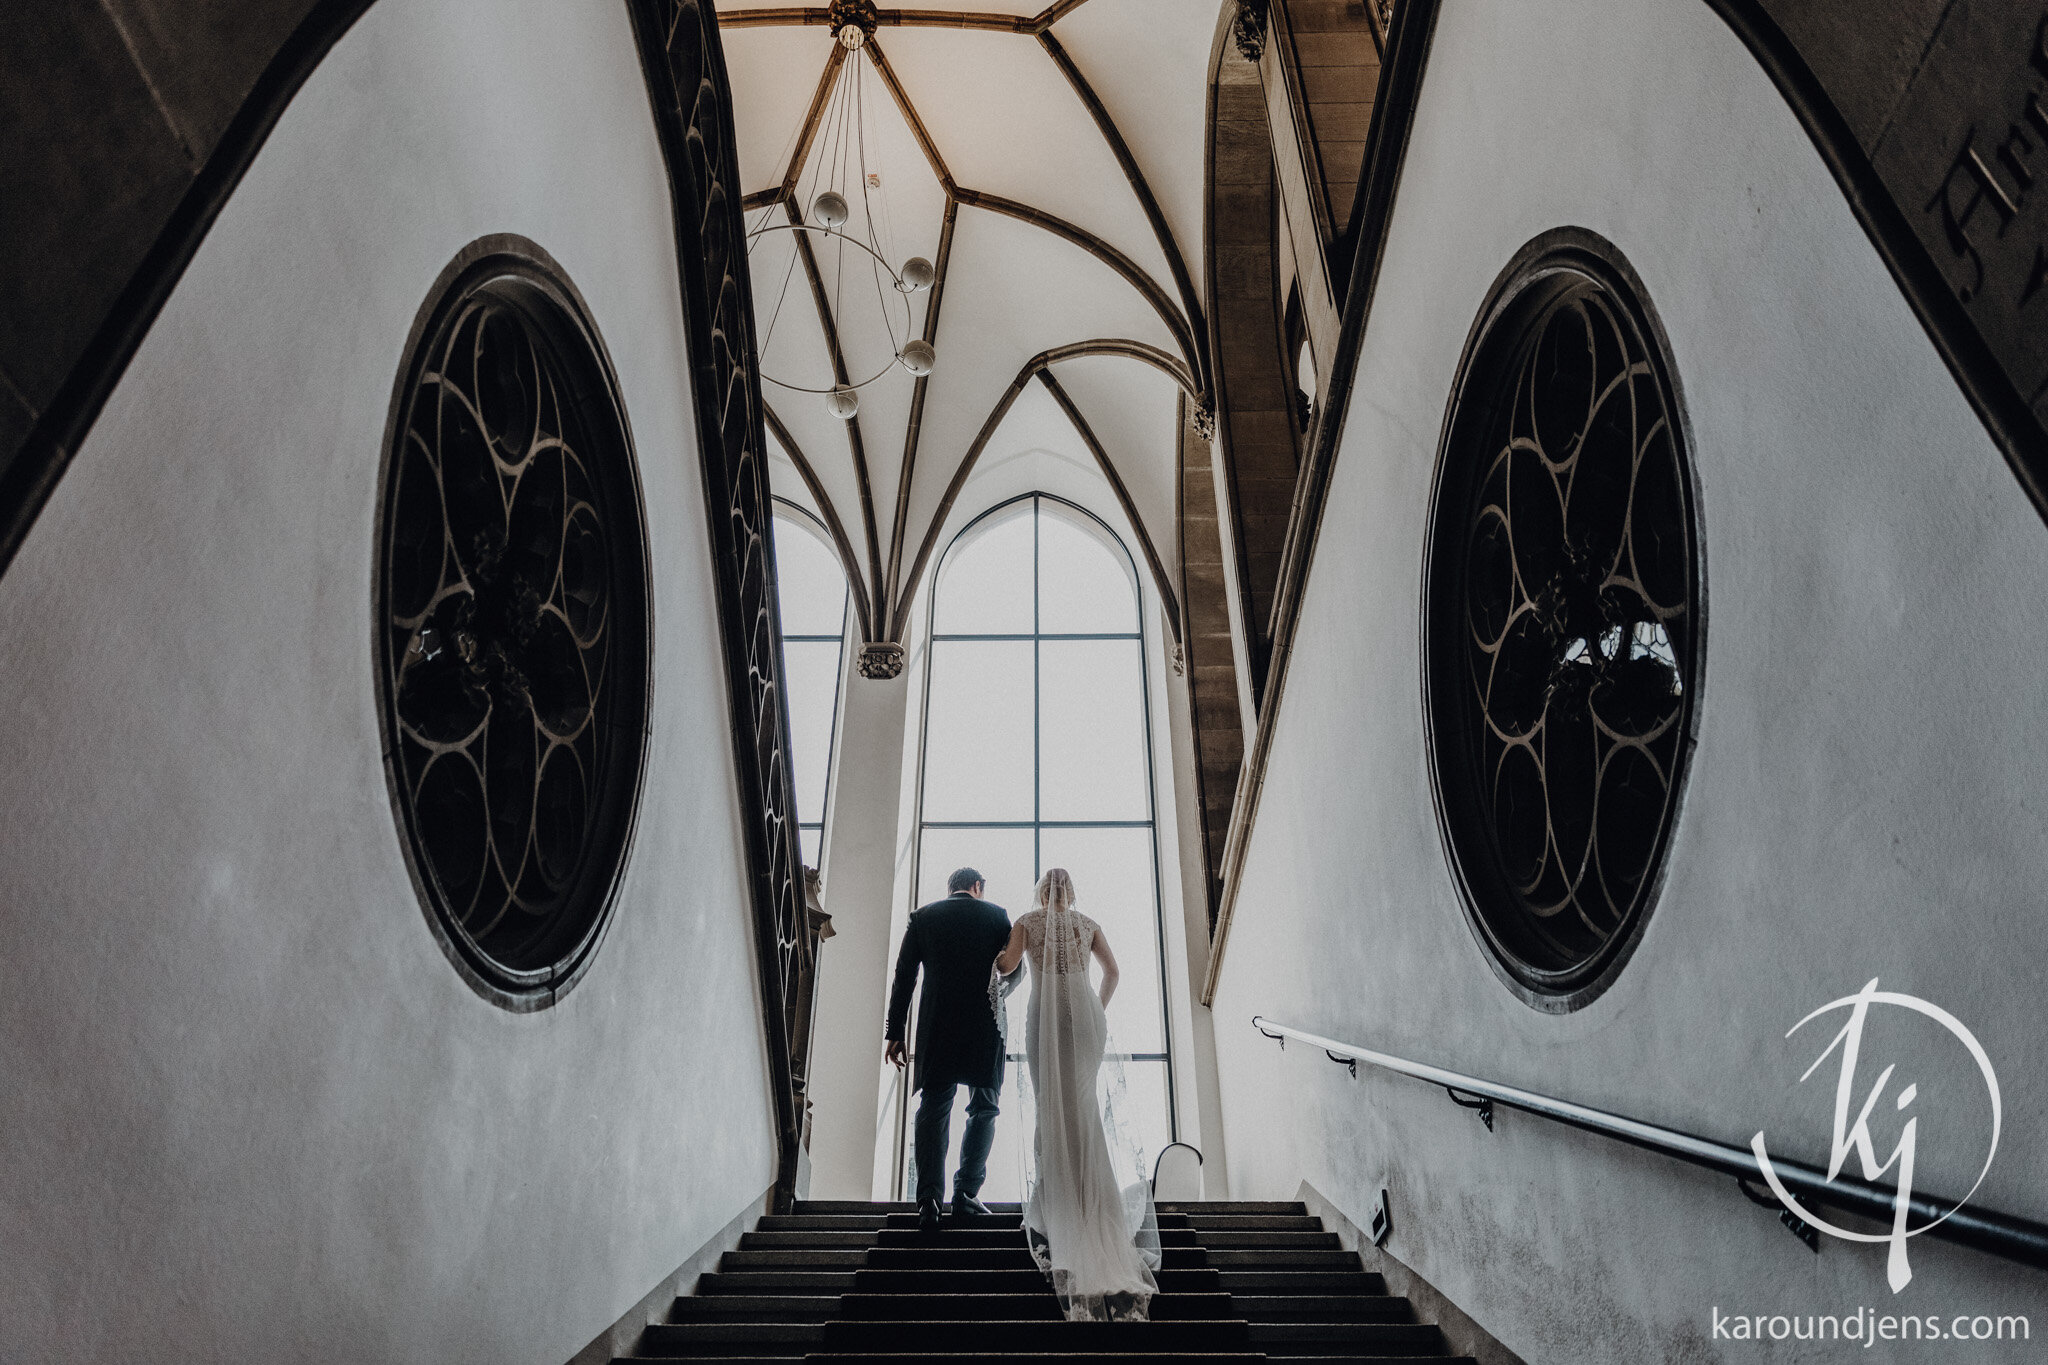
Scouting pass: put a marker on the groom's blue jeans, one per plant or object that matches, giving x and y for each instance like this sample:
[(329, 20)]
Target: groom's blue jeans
[(934, 1124)]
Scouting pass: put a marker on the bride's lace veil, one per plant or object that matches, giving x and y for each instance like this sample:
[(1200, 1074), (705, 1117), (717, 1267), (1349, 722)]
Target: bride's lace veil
[(1088, 1212)]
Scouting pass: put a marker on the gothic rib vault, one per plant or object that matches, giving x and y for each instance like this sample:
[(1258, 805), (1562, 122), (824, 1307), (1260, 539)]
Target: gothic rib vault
[(1049, 162)]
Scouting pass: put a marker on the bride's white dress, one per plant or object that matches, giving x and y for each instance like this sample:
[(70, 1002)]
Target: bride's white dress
[(1088, 1212)]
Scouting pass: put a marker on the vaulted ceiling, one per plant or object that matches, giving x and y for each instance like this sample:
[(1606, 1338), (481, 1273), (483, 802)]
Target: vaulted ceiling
[(1050, 163)]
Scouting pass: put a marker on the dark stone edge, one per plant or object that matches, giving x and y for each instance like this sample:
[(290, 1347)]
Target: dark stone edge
[(27, 480), (701, 157), (2019, 434)]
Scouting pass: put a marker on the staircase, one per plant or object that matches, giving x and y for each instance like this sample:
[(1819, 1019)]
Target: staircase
[(858, 1284)]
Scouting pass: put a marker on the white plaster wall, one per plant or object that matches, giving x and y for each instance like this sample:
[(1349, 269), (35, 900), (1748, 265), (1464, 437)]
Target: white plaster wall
[(249, 1110), (1865, 799)]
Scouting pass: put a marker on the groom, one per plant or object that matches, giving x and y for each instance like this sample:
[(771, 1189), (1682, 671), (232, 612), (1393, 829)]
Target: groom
[(956, 941)]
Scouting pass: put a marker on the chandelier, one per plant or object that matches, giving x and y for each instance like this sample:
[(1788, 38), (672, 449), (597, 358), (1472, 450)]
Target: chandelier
[(838, 188)]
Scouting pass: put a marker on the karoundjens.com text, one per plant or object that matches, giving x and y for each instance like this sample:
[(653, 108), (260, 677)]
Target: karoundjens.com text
[(1866, 1327)]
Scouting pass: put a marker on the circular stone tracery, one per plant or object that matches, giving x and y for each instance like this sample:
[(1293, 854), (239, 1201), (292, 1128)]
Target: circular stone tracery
[(513, 625), (1563, 625)]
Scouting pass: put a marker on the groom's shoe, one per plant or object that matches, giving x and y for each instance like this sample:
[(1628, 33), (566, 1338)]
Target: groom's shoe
[(965, 1205), (928, 1215)]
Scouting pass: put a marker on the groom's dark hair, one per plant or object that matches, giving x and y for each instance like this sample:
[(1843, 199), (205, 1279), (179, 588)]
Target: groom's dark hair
[(963, 880)]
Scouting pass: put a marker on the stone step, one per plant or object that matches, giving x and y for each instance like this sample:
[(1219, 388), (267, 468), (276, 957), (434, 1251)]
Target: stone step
[(1180, 1323), (1025, 1280), (759, 1282), (1247, 1222), (1069, 1358), (1300, 1282), (822, 1222), (901, 1337), (1237, 1206), (1010, 1258), (793, 1260), (1278, 1258), (1015, 1257), (1231, 1207), (1000, 1237), (696, 1339), (906, 1222), (1011, 1220), (1322, 1308), (1014, 1220), (1040, 1357), (1347, 1338), (1166, 1307), (1240, 1240), (844, 1206), (769, 1241), (757, 1307), (871, 1222)]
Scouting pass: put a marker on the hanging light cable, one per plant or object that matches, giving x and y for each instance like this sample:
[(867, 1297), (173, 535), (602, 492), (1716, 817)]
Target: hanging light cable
[(842, 159)]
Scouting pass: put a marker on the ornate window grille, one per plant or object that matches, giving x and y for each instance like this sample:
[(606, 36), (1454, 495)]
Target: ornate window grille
[(1564, 619), (512, 623)]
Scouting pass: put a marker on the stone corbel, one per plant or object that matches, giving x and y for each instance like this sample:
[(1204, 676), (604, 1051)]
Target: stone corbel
[(814, 904), (880, 660), (1249, 29)]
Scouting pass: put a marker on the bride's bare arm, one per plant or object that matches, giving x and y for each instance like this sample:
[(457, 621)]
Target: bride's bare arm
[(1100, 949), (1013, 952)]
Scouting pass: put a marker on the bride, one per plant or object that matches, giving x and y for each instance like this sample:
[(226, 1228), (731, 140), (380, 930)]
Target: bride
[(1088, 1212)]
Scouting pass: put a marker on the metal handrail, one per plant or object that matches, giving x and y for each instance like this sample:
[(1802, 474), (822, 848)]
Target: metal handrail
[(1999, 1234)]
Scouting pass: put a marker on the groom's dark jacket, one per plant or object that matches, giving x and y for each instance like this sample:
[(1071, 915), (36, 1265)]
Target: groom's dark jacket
[(955, 941)]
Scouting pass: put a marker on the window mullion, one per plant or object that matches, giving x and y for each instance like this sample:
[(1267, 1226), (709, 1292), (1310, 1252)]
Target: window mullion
[(1037, 709)]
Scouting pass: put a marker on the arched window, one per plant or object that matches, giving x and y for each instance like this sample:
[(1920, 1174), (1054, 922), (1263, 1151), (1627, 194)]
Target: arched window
[(1037, 753), (812, 591)]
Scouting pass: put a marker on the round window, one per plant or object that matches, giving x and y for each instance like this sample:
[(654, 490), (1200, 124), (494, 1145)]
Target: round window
[(1563, 620), (512, 622)]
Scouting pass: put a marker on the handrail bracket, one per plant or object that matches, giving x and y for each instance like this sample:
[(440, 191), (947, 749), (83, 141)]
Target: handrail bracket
[(1794, 1224), (1483, 1106)]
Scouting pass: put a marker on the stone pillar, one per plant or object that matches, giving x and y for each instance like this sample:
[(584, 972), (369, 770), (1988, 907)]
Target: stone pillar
[(861, 839)]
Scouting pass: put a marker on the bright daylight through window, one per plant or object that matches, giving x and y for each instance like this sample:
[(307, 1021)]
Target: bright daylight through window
[(811, 589), (1037, 754)]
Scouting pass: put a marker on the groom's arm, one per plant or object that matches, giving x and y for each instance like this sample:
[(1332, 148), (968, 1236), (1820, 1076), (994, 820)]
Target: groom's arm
[(1013, 977), (907, 959), (1011, 942)]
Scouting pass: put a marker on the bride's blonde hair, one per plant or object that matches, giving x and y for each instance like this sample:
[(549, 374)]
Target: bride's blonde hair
[(1055, 890)]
